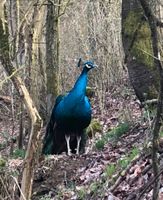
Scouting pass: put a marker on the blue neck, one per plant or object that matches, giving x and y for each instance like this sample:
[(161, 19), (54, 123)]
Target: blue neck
[(81, 83)]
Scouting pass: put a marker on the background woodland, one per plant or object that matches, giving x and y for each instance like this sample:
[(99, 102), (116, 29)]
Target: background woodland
[(41, 42)]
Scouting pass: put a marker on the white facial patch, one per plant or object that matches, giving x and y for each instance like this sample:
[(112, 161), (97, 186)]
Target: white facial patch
[(88, 66)]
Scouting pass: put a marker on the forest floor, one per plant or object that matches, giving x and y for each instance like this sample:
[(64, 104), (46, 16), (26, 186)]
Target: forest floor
[(116, 164)]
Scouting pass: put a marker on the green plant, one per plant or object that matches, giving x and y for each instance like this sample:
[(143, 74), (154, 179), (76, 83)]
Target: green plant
[(46, 197), (100, 144), (2, 163), (2, 145), (81, 194), (110, 170), (114, 134), (134, 152), (123, 163), (18, 153), (94, 187), (117, 132)]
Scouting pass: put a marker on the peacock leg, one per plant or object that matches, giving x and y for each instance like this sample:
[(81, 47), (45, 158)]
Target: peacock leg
[(67, 137), (78, 144)]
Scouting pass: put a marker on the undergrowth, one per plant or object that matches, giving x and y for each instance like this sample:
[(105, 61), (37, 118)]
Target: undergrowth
[(121, 163), (18, 153), (112, 135)]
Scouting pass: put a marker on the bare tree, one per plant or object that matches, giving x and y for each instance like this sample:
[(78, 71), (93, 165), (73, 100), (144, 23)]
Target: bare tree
[(52, 52), (158, 119)]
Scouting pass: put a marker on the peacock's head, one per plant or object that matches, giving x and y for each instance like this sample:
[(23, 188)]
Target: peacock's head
[(86, 65)]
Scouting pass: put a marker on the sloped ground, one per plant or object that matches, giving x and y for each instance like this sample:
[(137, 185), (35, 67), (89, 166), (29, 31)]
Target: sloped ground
[(120, 170), (89, 177)]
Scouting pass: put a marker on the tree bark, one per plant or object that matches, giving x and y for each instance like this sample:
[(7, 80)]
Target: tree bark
[(137, 44), (37, 73), (157, 122), (52, 53)]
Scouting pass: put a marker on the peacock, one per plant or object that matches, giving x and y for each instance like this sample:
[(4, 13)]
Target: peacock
[(71, 115)]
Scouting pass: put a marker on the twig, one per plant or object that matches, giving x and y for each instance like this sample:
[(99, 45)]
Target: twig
[(18, 187), (134, 140), (135, 194), (151, 101), (122, 174), (65, 178), (150, 183), (5, 99), (5, 106), (10, 76), (143, 172), (5, 188), (64, 10), (149, 54)]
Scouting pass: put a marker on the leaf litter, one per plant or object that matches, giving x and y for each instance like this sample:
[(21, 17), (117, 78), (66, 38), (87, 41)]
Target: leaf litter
[(120, 171)]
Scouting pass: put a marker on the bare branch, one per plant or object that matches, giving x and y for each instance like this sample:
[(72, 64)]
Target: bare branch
[(10, 76), (64, 10), (157, 58)]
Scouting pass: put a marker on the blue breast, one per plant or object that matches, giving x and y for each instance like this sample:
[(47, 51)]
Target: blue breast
[(73, 115)]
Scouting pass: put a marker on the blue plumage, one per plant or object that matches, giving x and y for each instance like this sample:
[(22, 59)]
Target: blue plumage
[(70, 116)]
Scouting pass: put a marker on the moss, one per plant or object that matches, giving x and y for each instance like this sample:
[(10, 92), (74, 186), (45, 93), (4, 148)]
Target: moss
[(90, 92), (142, 47), (53, 82), (143, 43), (2, 163), (18, 153), (112, 135), (100, 144), (94, 127), (117, 132), (130, 23), (123, 162), (81, 193)]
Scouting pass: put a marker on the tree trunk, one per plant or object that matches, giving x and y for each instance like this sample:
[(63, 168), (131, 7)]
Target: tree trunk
[(137, 44), (149, 13), (37, 73), (52, 53), (159, 15)]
